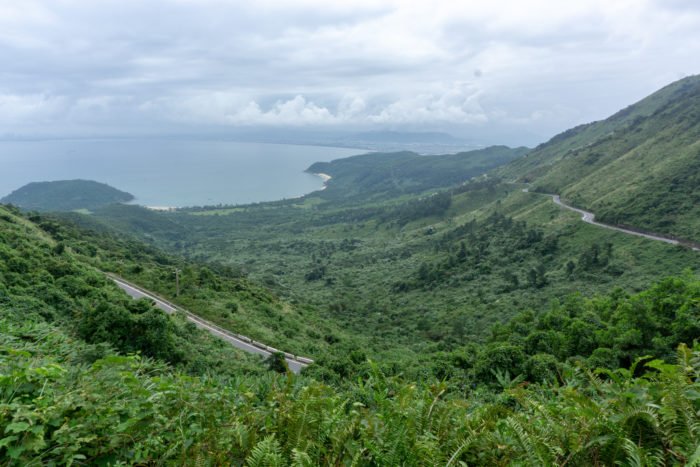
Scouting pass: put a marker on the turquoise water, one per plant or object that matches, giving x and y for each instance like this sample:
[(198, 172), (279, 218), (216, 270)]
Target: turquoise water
[(171, 172)]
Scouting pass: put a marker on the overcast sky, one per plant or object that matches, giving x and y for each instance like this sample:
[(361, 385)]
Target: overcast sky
[(510, 70)]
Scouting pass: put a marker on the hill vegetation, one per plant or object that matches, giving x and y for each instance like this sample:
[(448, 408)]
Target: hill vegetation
[(406, 172), (65, 195), (640, 167), (407, 280), (70, 395), (450, 323)]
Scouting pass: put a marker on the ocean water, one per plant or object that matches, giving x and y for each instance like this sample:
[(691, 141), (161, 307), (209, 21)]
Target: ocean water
[(172, 173)]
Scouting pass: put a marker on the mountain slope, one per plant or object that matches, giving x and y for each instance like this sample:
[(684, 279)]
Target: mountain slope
[(71, 397), (407, 172), (45, 280), (640, 167)]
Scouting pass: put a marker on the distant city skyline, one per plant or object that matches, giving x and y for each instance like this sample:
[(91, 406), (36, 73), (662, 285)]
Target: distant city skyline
[(498, 72)]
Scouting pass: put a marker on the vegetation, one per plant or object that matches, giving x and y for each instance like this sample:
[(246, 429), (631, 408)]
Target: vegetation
[(65, 195), (69, 398), (407, 172), (402, 281), (450, 323), (639, 167), (43, 280), (219, 293)]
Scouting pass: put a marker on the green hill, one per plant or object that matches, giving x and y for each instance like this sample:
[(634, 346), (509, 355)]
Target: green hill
[(48, 275), (407, 172), (640, 167), (65, 195)]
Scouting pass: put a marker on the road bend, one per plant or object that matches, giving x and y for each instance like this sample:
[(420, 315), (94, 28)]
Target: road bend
[(589, 218)]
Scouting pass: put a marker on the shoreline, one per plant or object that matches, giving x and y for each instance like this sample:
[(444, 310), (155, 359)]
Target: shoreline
[(324, 177), (161, 208)]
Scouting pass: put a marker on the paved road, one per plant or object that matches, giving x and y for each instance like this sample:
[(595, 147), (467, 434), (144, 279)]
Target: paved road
[(589, 217), (240, 342)]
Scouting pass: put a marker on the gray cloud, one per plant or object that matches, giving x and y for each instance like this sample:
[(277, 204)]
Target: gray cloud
[(521, 69)]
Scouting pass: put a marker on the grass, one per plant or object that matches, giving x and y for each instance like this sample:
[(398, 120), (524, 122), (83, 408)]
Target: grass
[(640, 167)]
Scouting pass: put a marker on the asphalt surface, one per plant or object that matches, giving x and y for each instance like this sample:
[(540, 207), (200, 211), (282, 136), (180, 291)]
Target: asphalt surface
[(589, 218), (240, 342)]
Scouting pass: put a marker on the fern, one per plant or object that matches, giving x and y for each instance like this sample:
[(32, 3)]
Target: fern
[(637, 456), (301, 459), (267, 453), (526, 442), (459, 451), (694, 460)]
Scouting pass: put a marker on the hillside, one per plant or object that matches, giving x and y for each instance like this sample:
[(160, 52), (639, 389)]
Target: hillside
[(88, 376), (65, 195), (406, 172), (640, 167), (45, 279), (408, 278), (221, 294)]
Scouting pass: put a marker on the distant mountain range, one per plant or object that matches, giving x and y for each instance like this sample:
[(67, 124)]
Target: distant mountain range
[(432, 137)]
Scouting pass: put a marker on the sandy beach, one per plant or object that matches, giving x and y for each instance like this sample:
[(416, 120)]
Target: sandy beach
[(325, 178)]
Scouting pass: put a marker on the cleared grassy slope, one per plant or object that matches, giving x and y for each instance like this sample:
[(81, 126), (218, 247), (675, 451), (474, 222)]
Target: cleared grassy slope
[(640, 167)]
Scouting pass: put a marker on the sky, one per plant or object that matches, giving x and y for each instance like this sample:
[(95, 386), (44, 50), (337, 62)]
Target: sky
[(497, 71)]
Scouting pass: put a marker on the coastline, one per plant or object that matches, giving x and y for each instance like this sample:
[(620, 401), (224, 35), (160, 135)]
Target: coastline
[(324, 177), (213, 171)]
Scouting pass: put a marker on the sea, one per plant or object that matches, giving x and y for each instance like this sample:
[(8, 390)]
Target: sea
[(171, 173)]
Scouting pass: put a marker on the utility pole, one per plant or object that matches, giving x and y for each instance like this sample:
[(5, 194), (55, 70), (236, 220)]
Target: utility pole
[(177, 282)]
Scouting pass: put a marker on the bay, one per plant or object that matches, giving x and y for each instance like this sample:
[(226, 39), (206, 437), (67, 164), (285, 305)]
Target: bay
[(172, 173)]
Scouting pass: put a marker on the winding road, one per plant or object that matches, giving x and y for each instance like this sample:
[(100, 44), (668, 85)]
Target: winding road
[(589, 218), (294, 362), (297, 363)]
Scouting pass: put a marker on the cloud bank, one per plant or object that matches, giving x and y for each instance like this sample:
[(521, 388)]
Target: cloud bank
[(527, 68)]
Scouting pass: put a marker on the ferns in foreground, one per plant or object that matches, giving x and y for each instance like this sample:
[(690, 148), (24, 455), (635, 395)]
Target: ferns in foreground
[(56, 410)]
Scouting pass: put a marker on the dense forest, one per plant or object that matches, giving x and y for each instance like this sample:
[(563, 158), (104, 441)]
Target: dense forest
[(89, 376)]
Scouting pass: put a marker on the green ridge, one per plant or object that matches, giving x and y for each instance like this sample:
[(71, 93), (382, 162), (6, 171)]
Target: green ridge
[(640, 167), (65, 195)]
